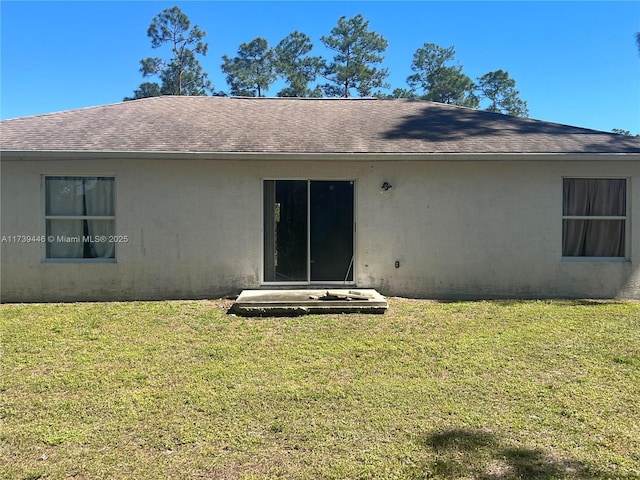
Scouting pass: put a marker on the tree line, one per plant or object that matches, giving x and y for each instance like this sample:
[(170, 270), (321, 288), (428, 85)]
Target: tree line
[(355, 67)]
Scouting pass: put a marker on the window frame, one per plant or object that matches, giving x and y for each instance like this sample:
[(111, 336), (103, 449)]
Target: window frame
[(45, 218), (625, 218)]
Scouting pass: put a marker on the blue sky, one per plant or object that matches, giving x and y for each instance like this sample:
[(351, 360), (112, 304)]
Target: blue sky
[(575, 63)]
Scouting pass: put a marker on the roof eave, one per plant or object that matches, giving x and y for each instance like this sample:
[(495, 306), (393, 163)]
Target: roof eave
[(18, 155)]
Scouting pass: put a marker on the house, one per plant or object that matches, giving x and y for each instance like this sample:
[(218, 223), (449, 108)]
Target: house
[(191, 197)]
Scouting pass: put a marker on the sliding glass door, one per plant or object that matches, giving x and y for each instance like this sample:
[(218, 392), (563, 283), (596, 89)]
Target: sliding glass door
[(308, 231)]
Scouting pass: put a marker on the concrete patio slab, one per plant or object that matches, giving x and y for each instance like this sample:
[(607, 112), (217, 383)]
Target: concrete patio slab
[(304, 301)]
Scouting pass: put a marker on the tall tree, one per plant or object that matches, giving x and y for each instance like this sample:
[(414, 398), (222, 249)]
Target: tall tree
[(354, 65), (146, 90), (438, 81), (397, 93), (295, 66), (181, 74), (450, 85), (500, 89), (253, 71), (621, 131)]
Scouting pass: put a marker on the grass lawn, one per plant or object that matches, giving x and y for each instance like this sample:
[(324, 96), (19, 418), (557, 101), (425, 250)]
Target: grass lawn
[(180, 390)]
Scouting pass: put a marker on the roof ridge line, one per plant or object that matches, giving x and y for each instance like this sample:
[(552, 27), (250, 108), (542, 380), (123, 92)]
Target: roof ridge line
[(240, 97)]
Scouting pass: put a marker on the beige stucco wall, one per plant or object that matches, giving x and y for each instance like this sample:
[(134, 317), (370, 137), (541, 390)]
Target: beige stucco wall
[(458, 228)]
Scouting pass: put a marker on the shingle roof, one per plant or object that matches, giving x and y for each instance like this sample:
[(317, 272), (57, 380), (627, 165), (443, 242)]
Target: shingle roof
[(217, 124)]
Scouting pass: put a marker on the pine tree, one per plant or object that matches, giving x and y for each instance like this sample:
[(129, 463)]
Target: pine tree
[(353, 66), (181, 74)]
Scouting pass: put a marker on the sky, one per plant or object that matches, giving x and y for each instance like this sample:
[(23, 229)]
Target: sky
[(575, 63)]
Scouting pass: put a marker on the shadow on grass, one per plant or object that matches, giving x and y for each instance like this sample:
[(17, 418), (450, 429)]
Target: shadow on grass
[(477, 454)]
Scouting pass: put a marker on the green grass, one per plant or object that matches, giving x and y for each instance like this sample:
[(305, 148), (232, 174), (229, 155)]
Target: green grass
[(180, 390)]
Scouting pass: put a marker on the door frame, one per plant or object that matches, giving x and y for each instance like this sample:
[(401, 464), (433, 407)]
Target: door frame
[(262, 245)]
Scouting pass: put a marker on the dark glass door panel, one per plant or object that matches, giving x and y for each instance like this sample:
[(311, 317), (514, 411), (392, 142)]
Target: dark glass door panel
[(331, 236), (285, 230)]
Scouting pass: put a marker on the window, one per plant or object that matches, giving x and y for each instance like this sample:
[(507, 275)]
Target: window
[(79, 216), (594, 217)]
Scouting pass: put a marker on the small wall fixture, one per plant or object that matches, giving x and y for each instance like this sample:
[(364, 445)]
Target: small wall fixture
[(386, 186)]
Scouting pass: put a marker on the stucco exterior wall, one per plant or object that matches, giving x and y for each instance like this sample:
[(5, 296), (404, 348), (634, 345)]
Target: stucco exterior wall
[(459, 229)]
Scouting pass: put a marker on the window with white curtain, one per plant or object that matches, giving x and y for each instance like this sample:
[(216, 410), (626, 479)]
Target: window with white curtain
[(594, 217), (80, 217)]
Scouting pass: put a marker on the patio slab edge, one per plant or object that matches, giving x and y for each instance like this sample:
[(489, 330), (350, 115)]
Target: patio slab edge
[(295, 302)]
